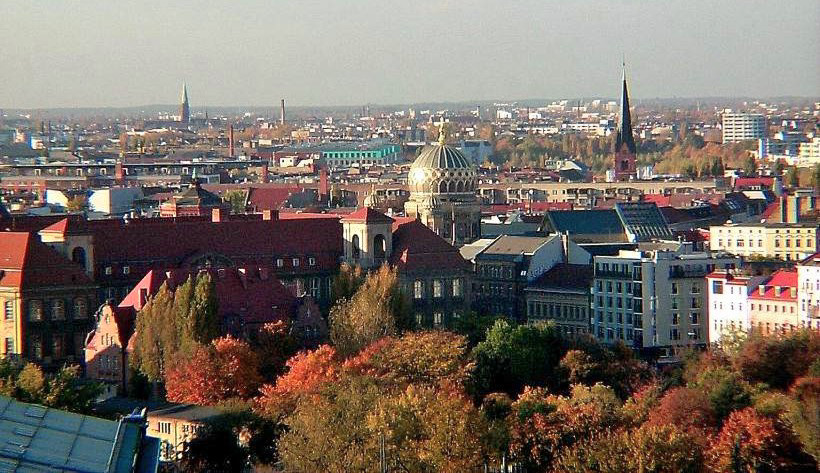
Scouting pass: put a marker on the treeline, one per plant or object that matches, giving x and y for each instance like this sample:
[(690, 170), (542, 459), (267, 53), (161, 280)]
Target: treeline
[(686, 155), (487, 392)]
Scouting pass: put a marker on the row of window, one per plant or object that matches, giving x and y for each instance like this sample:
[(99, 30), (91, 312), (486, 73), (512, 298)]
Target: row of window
[(439, 289), (57, 311), (54, 346), (538, 309), (280, 263), (787, 243), (618, 287)]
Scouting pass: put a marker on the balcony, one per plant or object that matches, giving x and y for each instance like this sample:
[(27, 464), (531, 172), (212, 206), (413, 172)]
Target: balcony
[(678, 273)]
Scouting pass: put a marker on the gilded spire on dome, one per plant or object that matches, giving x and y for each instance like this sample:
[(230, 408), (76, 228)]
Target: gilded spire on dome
[(442, 134)]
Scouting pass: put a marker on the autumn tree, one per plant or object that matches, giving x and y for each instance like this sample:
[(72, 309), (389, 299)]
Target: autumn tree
[(347, 281), (64, 389), (155, 335), (306, 373), (777, 360), (77, 203), (274, 345), (225, 369), (746, 442), (647, 449), (238, 199), (804, 414), (377, 309), (686, 408), (541, 424)]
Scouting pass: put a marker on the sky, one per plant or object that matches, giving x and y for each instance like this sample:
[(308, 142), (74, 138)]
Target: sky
[(103, 53)]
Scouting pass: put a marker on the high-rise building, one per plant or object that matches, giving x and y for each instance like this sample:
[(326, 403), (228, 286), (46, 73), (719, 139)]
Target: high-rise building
[(743, 127), (625, 149), (184, 110)]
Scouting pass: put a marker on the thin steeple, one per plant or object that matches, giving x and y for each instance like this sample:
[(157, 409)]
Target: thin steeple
[(184, 107), (624, 133)]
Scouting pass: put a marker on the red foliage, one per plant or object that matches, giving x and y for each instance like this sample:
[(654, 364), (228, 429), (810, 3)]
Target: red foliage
[(747, 440), (307, 371), (225, 369), (686, 408)]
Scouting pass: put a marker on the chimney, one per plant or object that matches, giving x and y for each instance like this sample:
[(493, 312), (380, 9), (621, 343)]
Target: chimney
[(565, 246), (783, 217), (264, 176), (282, 112), (323, 187), (217, 215), (119, 172), (793, 292), (267, 214), (230, 141), (143, 296)]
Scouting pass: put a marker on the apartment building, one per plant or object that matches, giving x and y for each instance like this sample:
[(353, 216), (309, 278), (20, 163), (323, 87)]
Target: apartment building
[(808, 291), (773, 305), (653, 297), (728, 303), (786, 241), (743, 127)]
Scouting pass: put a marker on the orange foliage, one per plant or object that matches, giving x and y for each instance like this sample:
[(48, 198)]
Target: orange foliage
[(747, 440), (225, 369), (307, 371)]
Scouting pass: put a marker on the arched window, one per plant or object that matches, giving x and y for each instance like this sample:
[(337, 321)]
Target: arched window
[(80, 308), (379, 247), (357, 252), (57, 309), (451, 187), (460, 187), (78, 256), (442, 187)]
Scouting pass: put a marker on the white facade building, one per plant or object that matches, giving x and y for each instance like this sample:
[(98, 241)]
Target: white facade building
[(728, 303), (743, 127), (808, 291)]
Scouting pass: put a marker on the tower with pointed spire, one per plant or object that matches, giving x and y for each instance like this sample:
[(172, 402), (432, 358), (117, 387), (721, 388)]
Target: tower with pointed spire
[(625, 150), (184, 110)]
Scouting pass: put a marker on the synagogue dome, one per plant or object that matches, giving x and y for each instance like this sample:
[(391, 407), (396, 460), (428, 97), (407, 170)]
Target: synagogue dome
[(441, 169)]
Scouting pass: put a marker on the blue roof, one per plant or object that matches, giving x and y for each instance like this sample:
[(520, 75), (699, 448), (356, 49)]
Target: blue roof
[(584, 222)]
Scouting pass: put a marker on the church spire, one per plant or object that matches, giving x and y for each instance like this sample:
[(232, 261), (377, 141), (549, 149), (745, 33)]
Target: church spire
[(624, 133), (184, 108)]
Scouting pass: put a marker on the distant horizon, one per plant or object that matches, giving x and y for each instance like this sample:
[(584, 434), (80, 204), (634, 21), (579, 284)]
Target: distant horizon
[(102, 54), (635, 101)]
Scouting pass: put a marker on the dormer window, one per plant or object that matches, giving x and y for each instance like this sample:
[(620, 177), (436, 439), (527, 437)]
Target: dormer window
[(109, 270), (126, 270), (295, 262), (312, 261)]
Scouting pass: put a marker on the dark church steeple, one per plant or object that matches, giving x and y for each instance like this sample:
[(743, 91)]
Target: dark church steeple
[(624, 136), (625, 150)]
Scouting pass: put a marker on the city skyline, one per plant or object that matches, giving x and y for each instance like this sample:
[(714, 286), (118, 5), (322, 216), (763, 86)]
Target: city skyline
[(100, 55)]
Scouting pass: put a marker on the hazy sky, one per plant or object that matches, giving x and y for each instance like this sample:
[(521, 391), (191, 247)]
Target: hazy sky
[(61, 53)]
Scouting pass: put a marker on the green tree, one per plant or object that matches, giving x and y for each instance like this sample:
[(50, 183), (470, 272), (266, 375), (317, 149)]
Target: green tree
[(777, 167), (77, 203), (792, 177), (237, 199), (512, 357), (347, 281), (750, 166)]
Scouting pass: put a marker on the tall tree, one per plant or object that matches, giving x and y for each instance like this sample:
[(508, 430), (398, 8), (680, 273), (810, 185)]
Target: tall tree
[(155, 335), (377, 309)]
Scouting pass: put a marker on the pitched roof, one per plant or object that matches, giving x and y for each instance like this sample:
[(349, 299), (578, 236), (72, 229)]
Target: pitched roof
[(514, 245), (785, 280), (144, 244), (367, 215), (26, 262), (585, 222), (270, 198), (416, 247)]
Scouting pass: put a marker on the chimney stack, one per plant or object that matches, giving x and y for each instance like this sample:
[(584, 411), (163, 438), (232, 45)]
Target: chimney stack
[(282, 112), (324, 191), (217, 215), (230, 141), (268, 214), (119, 173)]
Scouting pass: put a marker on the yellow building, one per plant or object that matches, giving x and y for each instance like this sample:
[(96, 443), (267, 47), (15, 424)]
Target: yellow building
[(786, 241)]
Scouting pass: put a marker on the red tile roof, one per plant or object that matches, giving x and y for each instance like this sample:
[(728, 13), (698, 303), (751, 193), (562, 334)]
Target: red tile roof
[(157, 243), (26, 262), (762, 182), (367, 215), (253, 294), (270, 198), (417, 248), (783, 279)]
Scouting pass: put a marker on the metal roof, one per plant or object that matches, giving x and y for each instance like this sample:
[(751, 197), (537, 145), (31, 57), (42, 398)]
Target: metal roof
[(35, 438)]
